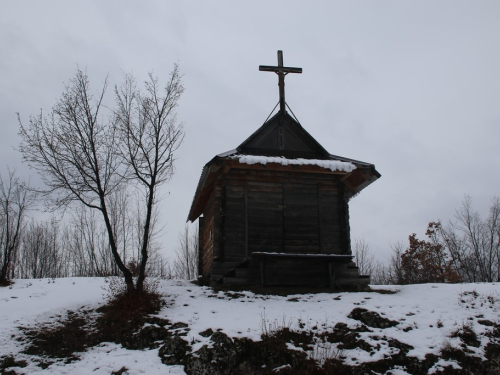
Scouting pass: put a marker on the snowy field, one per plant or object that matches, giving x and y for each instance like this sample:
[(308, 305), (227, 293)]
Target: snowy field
[(427, 315)]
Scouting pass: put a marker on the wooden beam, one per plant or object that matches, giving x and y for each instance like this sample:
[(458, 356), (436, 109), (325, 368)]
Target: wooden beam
[(269, 68)]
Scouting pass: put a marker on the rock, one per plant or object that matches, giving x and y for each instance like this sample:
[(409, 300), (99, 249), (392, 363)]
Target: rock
[(207, 333), (10, 361), (215, 360), (371, 318), (149, 337), (486, 322), (174, 351), (403, 348)]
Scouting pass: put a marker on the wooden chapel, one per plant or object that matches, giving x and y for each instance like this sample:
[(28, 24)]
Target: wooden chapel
[(274, 211)]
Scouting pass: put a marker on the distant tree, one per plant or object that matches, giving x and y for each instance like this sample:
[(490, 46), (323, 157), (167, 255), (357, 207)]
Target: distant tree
[(85, 241), (186, 261), (40, 254), (467, 249), (15, 200), (85, 155), (473, 242), (390, 272), (427, 261), (364, 258), (395, 271)]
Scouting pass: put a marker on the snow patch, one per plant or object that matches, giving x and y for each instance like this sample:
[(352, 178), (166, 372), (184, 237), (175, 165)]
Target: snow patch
[(333, 165)]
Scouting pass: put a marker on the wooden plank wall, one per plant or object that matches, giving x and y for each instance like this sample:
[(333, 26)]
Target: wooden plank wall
[(234, 223), (206, 234), (265, 216), (301, 214), (331, 218), (345, 228), (201, 231), (218, 235), (282, 212)]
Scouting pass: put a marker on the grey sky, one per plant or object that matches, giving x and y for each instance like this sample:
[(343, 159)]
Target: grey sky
[(411, 86)]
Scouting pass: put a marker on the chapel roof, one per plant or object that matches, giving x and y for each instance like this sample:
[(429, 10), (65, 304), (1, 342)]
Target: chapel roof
[(282, 141), (298, 148)]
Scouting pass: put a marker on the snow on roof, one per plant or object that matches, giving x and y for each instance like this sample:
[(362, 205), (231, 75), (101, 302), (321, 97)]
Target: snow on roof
[(307, 255), (333, 165)]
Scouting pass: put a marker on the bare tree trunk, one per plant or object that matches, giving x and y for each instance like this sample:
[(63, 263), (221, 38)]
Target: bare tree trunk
[(76, 155), (83, 160), (150, 136), (15, 200)]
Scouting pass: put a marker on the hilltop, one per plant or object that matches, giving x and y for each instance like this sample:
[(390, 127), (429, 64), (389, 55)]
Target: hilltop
[(427, 328)]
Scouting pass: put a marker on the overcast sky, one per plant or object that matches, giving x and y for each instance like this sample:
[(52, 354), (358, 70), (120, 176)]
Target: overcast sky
[(410, 86)]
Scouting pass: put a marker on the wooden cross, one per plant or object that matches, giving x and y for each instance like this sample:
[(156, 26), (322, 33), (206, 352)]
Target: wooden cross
[(281, 71)]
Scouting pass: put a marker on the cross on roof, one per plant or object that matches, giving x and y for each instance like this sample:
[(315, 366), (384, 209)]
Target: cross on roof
[(281, 71)]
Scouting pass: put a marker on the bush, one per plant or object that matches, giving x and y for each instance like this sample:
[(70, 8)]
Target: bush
[(427, 261)]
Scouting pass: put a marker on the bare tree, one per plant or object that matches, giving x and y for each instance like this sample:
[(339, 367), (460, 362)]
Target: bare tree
[(85, 241), (84, 155), (390, 272), (186, 261), (364, 258), (15, 199), (75, 152), (394, 271), (40, 254), (150, 138), (474, 243), (380, 274)]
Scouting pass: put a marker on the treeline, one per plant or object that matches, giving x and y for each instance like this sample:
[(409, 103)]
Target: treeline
[(78, 245), (466, 249)]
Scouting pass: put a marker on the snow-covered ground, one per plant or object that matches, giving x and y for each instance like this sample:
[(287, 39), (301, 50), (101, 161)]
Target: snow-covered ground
[(427, 313)]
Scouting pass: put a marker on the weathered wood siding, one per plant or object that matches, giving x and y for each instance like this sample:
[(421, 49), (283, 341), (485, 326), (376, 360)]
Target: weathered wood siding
[(301, 215), (234, 222), (265, 216), (271, 211), (331, 218), (201, 231), (218, 235), (206, 234)]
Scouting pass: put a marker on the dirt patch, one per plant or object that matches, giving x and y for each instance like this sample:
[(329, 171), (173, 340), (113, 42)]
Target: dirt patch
[(467, 335), (6, 364), (5, 283), (121, 321), (60, 340)]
